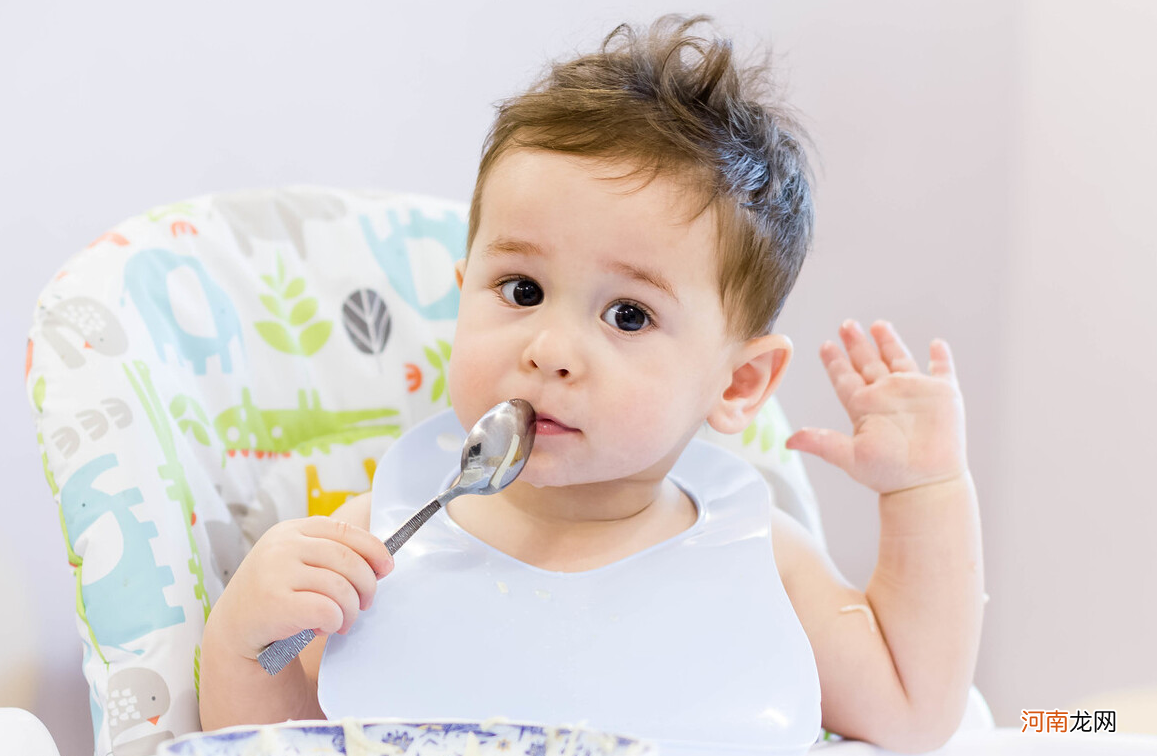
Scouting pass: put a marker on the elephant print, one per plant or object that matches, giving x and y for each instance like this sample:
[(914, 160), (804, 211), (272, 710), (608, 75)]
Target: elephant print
[(123, 594), (445, 236), (146, 279)]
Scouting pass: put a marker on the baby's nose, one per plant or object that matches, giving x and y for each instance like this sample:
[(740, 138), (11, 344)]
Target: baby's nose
[(561, 372), (554, 351)]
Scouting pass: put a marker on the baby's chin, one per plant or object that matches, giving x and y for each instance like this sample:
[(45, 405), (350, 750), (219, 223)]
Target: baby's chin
[(540, 478), (552, 473), (548, 472)]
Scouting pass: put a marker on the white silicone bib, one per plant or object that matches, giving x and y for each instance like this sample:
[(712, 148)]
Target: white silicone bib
[(691, 643)]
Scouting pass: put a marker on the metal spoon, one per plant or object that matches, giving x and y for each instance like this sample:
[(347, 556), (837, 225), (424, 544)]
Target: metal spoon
[(493, 455)]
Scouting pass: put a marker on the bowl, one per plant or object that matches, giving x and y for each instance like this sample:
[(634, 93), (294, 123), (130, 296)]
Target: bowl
[(395, 737)]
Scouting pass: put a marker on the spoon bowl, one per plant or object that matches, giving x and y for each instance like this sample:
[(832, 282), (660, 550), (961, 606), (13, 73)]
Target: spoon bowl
[(497, 448)]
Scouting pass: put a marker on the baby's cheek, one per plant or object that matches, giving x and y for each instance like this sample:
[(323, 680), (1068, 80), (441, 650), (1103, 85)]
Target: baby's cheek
[(662, 417), (644, 427), (453, 380), (462, 385)]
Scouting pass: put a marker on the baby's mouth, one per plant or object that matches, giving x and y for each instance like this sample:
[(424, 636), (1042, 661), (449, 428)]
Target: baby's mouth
[(548, 426)]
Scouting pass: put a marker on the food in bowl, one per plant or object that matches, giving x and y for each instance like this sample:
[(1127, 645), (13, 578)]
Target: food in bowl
[(392, 737)]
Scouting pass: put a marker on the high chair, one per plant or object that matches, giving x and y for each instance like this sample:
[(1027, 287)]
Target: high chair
[(215, 365)]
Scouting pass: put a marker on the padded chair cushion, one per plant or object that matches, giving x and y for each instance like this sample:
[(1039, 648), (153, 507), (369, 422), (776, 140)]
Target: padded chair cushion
[(213, 366)]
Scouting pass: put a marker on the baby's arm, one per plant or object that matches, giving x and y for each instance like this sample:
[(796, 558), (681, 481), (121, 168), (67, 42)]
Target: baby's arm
[(315, 573), (895, 662)]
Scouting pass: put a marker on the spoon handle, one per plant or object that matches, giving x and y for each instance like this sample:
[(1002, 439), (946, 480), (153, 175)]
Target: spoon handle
[(399, 538), (279, 653), (276, 655)]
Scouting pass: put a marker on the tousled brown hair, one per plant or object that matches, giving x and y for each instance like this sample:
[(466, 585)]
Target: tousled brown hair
[(675, 105)]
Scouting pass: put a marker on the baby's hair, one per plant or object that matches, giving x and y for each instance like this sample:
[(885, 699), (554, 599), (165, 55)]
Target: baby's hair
[(670, 104)]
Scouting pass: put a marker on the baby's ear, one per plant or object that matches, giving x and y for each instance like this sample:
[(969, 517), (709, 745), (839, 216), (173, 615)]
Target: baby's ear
[(758, 368), (460, 271)]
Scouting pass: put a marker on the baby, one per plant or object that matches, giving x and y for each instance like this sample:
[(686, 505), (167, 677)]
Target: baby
[(637, 222)]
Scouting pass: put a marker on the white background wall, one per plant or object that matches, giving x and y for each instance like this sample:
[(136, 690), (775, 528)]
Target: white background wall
[(985, 174)]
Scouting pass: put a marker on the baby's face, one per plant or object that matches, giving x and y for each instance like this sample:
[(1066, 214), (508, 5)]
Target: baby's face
[(598, 306)]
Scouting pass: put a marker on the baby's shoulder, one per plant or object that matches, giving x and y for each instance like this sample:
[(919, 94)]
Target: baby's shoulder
[(796, 550)]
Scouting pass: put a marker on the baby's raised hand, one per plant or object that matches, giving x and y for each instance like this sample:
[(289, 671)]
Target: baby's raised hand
[(908, 426), (314, 573)]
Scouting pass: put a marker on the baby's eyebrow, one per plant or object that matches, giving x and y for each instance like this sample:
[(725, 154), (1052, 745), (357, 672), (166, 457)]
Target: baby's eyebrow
[(505, 245), (646, 276)]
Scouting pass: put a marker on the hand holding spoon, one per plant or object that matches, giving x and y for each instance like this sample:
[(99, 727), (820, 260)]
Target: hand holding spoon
[(495, 451)]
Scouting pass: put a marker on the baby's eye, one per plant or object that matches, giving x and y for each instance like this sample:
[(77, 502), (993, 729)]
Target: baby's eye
[(627, 317), (522, 292)]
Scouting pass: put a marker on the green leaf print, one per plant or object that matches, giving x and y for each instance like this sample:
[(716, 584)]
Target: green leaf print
[(38, 393), (283, 333), (295, 288), (314, 337), (178, 405), (303, 311), (439, 360), (277, 336), (273, 304), (749, 434)]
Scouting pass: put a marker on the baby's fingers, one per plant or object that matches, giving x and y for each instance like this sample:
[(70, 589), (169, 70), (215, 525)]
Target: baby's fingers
[(844, 378), (892, 348), (941, 364), (864, 355), (326, 601), (830, 446), (342, 561), (361, 541)]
